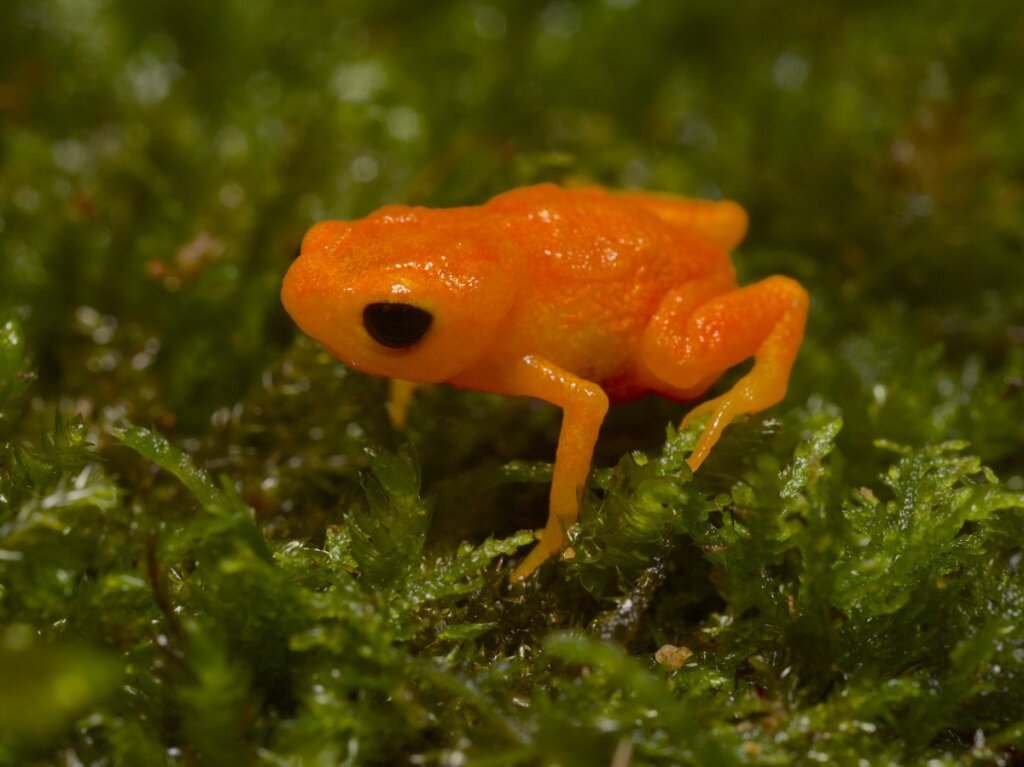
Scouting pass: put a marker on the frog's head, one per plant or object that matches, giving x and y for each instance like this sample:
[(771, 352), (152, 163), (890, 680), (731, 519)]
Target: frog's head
[(406, 293)]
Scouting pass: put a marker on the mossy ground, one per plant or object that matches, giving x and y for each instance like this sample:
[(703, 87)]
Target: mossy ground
[(214, 549)]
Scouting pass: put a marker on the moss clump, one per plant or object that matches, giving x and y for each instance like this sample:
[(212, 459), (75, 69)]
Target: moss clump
[(214, 548)]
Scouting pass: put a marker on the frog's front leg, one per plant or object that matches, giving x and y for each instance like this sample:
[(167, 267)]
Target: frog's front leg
[(688, 346), (584, 405), (399, 398)]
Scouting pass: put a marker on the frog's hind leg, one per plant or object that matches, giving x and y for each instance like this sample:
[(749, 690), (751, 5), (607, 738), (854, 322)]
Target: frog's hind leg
[(686, 346), (722, 223)]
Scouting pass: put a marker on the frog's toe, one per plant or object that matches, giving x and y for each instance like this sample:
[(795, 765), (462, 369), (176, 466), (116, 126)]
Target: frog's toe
[(723, 409), (538, 555)]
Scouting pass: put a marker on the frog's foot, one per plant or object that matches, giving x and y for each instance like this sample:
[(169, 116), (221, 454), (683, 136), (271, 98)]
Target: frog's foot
[(723, 410), (546, 547), (685, 344), (748, 396)]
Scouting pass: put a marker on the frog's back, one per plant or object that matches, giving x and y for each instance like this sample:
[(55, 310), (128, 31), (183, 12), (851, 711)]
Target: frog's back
[(599, 265), (592, 235)]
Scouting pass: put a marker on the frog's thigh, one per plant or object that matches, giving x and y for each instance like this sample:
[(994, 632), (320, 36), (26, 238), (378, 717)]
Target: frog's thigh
[(684, 348), (722, 223), (584, 405)]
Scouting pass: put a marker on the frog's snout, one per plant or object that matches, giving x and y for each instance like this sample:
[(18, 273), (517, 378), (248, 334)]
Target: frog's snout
[(296, 284), (307, 277), (325, 236)]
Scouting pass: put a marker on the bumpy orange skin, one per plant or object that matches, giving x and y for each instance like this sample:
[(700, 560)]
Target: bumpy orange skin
[(576, 297)]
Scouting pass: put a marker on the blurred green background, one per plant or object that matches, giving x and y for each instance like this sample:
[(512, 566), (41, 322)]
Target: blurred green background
[(159, 163)]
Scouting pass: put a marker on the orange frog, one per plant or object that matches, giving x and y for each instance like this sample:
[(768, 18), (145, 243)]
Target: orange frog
[(573, 296)]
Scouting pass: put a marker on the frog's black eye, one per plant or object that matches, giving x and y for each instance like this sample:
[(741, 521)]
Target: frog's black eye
[(396, 326)]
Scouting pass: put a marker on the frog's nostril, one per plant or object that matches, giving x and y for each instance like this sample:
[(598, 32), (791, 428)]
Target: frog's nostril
[(396, 325)]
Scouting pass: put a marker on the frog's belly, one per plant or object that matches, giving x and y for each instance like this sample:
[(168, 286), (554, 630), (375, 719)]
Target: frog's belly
[(623, 389), (574, 334), (591, 337)]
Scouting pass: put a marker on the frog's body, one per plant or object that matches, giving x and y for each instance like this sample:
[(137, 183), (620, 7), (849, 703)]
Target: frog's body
[(593, 289), (572, 296)]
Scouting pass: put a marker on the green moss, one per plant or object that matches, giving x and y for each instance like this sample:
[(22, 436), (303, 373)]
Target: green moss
[(213, 546)]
